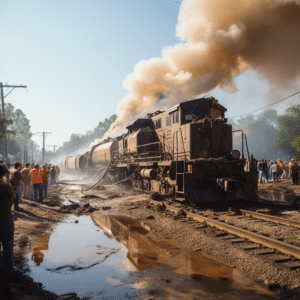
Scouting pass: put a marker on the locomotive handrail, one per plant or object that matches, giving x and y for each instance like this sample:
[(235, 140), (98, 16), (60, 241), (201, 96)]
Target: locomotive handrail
[(242, 141)]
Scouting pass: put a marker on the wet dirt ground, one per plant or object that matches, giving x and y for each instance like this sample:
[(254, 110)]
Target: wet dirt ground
[(118, 246)]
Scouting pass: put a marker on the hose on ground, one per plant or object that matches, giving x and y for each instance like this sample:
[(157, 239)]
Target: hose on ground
[(101, 177), (123, 180)]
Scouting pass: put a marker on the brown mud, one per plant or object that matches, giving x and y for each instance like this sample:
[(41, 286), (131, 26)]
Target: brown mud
[(36, 222)]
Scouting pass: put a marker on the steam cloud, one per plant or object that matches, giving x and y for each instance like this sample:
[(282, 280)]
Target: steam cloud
[(220, 40)]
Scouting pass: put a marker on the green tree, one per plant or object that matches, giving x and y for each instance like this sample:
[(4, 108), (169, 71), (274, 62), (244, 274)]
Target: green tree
[(19, 127), (4, 123), (78, 141), (288, 133), (261, 135)]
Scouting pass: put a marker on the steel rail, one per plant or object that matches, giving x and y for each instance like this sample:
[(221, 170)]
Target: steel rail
[(270, 218), (251, 236)]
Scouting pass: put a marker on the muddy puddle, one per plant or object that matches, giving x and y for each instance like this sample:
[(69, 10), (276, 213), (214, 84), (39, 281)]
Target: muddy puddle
[(113, 257)]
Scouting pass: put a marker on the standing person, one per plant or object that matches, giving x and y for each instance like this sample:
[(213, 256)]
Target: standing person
[(26, 182), (295, 173), (16, 168), (16, 183), (290, 166), (285, 170), (265, 171), (8, 166), (274, 171), (57, 171), (45, 180), (6, 231), (52, 175), (277, 165), (37, 182), (260, 167), (281, 169), (15, 178)]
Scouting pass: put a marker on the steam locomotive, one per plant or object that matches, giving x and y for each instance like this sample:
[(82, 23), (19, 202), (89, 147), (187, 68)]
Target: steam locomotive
[(184, 151)]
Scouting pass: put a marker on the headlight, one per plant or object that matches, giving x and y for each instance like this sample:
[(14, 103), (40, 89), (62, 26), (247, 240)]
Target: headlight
[(235, 154)]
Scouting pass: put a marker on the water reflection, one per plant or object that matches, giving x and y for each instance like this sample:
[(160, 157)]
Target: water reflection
[(143, 252), (90, 262), (38, 244)]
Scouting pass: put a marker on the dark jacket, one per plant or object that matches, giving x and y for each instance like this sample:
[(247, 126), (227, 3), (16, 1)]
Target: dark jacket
[(260, 166), (265, 167), (294, 169), (52, 173), (6, 195)]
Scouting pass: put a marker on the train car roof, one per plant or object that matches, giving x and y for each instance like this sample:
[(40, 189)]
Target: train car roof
[(139, 123)]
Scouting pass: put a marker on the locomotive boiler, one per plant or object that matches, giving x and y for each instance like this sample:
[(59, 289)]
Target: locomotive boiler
[(184, 151)]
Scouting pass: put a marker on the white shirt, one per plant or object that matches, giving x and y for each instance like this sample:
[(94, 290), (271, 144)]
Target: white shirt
[(274, 168)]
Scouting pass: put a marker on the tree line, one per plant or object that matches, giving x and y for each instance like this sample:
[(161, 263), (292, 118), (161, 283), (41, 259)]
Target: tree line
[(269, 135)]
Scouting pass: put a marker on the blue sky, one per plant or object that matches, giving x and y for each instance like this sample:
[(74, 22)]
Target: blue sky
[(74, 55)]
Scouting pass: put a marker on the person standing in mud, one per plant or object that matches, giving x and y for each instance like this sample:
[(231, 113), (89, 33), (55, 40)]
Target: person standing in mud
[(57, 171), (7, 194), (45, 180), (37, 182), (260, 168), (285, 170), (16, 183), (274, 171), (8, 166), (26, 182), (52, 175), (15, 179), (265, 171), (295, 173), (290, 166)]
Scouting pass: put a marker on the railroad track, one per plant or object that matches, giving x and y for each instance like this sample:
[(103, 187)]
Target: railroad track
[(270, 218), (231, 232)]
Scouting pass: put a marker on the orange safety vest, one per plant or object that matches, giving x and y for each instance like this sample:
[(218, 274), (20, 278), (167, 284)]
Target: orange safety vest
[(36, 176)]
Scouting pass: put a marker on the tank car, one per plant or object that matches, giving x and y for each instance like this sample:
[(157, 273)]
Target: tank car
[(184, 151)]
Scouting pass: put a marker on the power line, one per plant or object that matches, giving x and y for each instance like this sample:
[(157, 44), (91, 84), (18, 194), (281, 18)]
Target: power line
[(264, 106)]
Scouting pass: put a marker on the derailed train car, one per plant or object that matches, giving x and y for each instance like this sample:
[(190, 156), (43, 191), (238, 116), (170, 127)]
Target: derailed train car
[(185, 151)]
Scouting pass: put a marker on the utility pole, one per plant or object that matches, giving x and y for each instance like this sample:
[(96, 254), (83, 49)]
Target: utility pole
[(3, 109), (31, 151), (54, 147), (32, 147), (44, 135)]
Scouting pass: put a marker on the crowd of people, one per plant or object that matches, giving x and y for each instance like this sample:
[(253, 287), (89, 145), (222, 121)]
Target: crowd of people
[(278, 170), (27, 180)]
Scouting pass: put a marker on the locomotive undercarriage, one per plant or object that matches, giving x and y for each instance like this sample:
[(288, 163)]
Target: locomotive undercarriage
[(195, 182)]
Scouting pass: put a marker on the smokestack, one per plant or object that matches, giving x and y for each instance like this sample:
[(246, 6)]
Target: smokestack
[(219, 41)]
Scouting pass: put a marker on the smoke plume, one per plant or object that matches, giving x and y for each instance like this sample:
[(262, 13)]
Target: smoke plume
[(219, 41)]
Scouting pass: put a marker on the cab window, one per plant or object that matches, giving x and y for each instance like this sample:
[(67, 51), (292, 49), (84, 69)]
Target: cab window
[(158, 124), (168, 121), (193, 114), (175, 117)]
